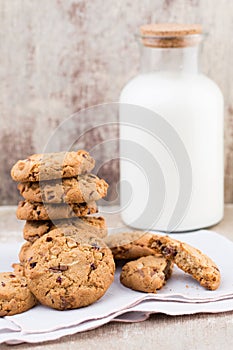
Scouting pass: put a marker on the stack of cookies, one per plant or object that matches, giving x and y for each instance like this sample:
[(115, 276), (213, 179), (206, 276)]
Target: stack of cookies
[(59, 191), (64, 264)]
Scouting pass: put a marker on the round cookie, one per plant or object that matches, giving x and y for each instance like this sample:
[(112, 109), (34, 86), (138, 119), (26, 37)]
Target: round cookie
[(130, 245), (147, 274), (37, 211), (80, 189), (188, 259), (67, 272), (15, 296), (94, 225), (49, 166)]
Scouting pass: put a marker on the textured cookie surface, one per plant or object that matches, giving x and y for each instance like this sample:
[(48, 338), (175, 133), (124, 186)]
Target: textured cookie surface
[(50, 166), (23, 255), (130, 245), (15, 296), (18, 269), (66, 272), (38, 211), (147, 274), (189, 259), (95, 225), (83, 188)]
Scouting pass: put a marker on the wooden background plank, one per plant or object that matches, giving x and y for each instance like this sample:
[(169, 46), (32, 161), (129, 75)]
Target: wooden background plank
[(57, 57)]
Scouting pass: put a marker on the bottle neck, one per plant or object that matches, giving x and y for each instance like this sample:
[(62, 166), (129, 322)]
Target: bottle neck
[(183, 59)]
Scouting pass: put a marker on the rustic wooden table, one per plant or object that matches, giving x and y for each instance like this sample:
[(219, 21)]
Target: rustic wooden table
[(201, 331)]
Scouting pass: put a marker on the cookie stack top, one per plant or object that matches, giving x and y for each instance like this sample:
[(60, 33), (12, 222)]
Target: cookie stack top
[(50, 166)]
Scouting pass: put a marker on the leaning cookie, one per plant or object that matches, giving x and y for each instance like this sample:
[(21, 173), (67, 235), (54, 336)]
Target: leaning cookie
[(23, 255), (38, 211), (35, 229), (15, 296), (49, 166), (130, 245), (69, 228), (67, 272), (18, 269), (79, 189), (188, 259), (147, 274)]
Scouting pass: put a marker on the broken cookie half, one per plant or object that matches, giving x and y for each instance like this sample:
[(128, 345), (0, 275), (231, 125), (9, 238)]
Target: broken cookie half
[(147, 274), (188, 259)]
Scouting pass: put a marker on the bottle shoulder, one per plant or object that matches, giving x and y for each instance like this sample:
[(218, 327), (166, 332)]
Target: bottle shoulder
[(210, 82), (166, 82)]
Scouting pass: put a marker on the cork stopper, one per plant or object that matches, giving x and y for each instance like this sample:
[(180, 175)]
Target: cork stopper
[(167, 35)]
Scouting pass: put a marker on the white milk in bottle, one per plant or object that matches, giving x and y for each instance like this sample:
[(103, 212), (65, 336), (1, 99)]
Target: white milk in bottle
[(171, 131)]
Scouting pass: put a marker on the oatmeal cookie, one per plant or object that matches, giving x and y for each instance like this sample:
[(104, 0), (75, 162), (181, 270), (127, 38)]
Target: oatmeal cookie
[(49, 166), (147, 274), (79, 189), (188, 259), (90, 224), (38, 211), (67, 272), (15, 296)]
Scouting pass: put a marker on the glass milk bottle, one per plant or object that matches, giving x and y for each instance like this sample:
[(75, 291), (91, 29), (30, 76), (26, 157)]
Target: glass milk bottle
[(171, 136)]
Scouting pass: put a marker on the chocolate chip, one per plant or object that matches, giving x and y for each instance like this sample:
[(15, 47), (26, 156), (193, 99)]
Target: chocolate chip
[(153, 272), (82, 204), (158, 242), (3, 284), (93, 267), (169, 251), (38, 212), (63, 267), (11, 275), (58, 268), (66, 302), (84, 155), (59, 280), (95, 246), (33, 264), (141, 272), (49, 239), (50, 197)]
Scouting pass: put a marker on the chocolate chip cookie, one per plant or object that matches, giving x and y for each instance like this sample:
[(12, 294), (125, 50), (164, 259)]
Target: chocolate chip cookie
[(79, 189), (67, 272), (39, 167), (188, 259), (95, 225), (15, 296), (130, 245), (38, 211), (147, 274)]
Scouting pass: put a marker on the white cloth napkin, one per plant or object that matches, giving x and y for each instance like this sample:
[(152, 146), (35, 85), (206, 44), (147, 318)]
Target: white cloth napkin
[(181, 295)]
